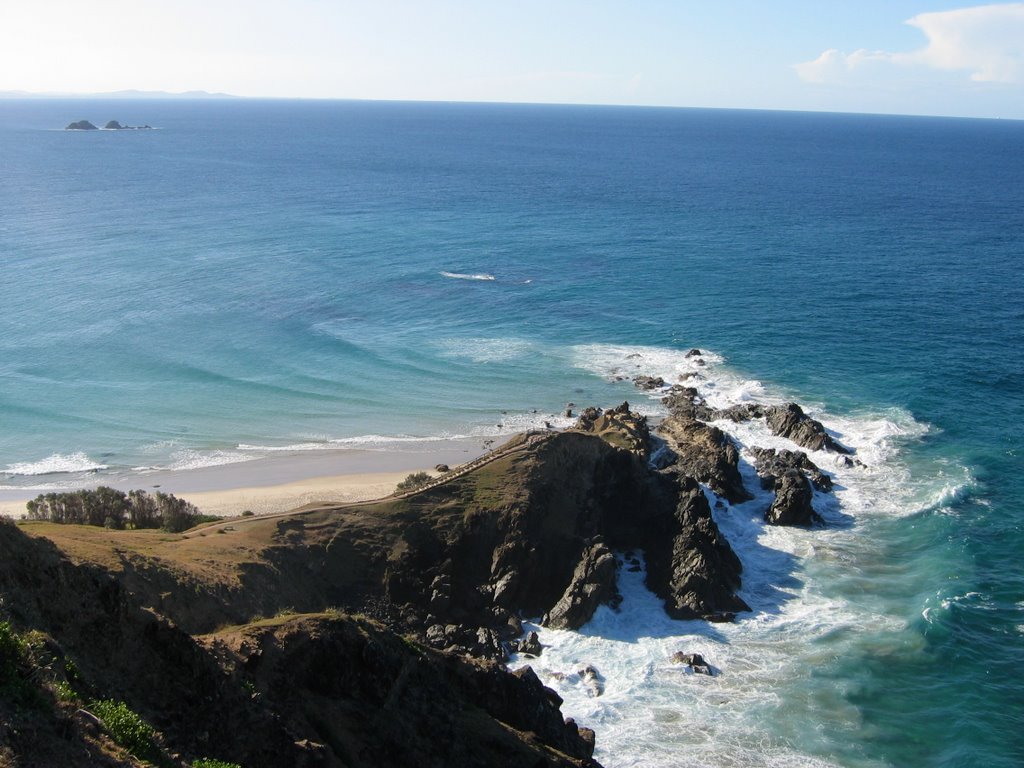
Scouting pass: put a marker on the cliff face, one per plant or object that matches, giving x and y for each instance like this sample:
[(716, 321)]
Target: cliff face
[(301, 690)]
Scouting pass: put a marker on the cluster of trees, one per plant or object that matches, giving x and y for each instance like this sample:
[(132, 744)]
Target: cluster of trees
[(111, 508)]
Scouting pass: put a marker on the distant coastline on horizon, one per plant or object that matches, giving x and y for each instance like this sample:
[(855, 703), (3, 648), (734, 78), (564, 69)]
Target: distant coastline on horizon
[(201, 95), (123, 94)]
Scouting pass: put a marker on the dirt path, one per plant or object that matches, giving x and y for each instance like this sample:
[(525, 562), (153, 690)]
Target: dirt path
[(531, 440)]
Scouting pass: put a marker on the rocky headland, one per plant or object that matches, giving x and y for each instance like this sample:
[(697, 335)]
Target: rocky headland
[(374, 634)]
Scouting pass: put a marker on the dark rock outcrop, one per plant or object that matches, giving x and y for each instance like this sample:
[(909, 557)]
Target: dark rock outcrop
[(787, 421), (593, 584), (648, 383), (691, 565), (791, 422), (364, 692), (530, 645), (694, 661), (81, 125), (702, 451), (531, 533), (771, 464), (707, 454), (617, 426), (792, 503), (687, 403), (592, 679), (791, 475)]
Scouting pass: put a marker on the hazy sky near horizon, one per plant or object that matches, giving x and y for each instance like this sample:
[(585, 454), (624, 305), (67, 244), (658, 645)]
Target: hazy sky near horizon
[(896, 56)]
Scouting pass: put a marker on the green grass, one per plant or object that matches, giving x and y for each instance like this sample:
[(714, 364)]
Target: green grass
[(64, 692), (127, 728), (209, 762)]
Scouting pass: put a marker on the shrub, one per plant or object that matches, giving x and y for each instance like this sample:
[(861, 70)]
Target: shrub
[(209, 762), (127, 728), (64, 692), (414, 481)]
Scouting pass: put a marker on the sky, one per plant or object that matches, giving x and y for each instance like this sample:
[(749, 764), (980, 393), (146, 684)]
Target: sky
[(930, 57)]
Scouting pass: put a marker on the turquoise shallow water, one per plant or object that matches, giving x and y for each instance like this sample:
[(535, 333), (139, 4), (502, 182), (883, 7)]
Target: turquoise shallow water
[(306, 275)]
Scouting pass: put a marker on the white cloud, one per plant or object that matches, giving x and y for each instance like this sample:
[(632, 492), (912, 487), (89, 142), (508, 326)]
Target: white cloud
[(835, 66), (985, 42)]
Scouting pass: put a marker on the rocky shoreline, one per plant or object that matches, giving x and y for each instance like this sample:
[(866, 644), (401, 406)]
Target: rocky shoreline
[(392, 619)]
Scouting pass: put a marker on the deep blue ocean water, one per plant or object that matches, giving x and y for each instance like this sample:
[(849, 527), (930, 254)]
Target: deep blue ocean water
[(255, 276)]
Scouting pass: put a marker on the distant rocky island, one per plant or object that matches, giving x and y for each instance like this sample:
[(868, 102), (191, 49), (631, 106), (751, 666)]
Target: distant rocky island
[(113, 125)]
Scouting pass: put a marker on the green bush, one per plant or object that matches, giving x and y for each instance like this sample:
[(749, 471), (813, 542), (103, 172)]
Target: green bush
[(209, 762), (127, 728), (64, 692), (414, 481)]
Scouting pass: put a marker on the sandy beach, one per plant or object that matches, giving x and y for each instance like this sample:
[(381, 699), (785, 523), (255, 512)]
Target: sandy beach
[(280, 482)]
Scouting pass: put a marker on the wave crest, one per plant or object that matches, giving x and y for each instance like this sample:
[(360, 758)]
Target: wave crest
[(467, 276), (57, 463)]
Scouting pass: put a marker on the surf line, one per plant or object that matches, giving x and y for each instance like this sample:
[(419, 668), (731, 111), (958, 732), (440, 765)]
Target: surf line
[(464, 276)]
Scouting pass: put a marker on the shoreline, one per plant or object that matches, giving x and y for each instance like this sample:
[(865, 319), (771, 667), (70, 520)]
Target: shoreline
[(279, 482)]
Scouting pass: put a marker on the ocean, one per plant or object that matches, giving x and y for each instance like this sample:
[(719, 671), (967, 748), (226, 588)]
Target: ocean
[(259, 278)]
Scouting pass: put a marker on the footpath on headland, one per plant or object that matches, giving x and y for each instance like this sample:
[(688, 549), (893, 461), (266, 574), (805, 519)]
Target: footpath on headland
[(517, 444)]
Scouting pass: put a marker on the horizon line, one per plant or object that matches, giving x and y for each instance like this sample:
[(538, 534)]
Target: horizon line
[(201, 95)]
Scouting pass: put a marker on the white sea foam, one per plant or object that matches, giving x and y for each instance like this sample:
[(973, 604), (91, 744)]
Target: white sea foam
[(621, 362), (188, 458), (485, 350), (57, 463), (514, 423), (465, 276), (651, 711)]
